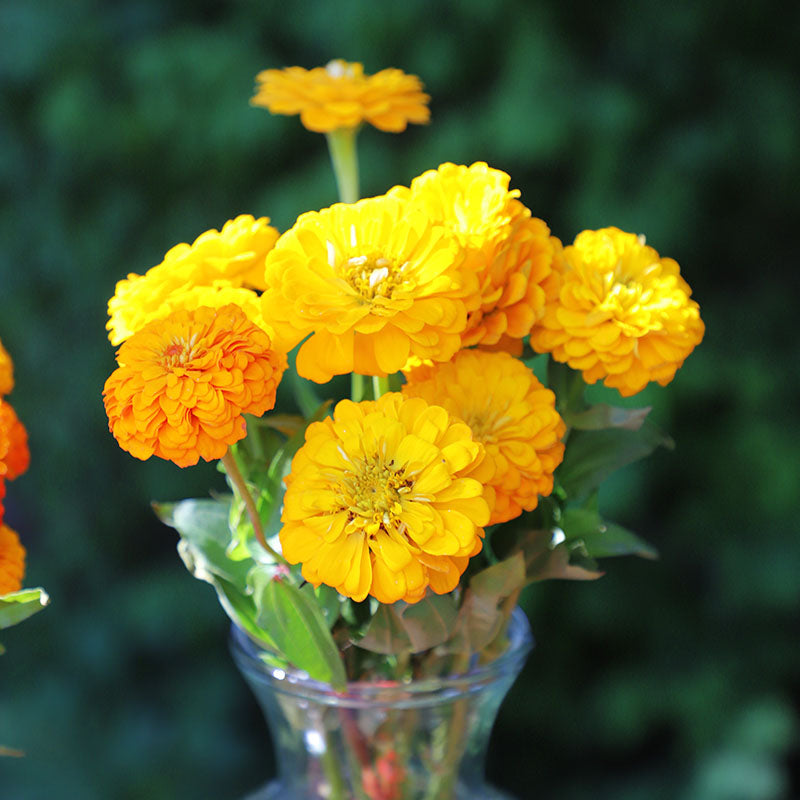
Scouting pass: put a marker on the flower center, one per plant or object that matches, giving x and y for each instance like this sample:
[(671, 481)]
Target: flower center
[(371, 276), (373, 496), (178, 352)]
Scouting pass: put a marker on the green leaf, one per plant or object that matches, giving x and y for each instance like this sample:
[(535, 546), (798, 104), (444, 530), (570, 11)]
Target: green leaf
[(18, 606), (430, 621), (546, 558), (592, 455), (386, 632), (298, 628), (500, 580), (601, 539), (602, 416), (328, 600), (204, 527)]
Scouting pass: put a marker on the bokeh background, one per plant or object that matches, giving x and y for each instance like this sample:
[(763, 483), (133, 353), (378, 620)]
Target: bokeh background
[(125, 129)]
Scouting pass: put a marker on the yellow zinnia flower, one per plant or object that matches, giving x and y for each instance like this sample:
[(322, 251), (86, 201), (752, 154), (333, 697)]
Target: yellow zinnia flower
[(378, 500), (6, 371), (620, 313), (374, 282), (218, 268), (184, 382), (12, 561), (341, 96), (510, 252), (510, 413)]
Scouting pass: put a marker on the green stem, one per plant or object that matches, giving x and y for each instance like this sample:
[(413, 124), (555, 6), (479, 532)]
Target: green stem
[(379, 386), (344, 157), (358, 387), (237, 479), (333, 772)]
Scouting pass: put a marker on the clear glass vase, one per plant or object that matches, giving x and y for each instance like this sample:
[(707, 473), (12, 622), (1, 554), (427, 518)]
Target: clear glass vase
[(422, 740)]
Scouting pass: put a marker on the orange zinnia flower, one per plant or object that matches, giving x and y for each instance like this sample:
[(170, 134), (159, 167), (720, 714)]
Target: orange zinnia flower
[(619, 313), (510, 413), (12, 561), (14, 455), (341, 96), (6, 371), (184, 382)]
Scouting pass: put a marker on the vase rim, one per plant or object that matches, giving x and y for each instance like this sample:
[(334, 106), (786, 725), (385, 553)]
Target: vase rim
[(297, 682)]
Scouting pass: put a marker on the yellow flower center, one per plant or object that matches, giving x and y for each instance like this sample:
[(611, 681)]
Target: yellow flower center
[(340, 69), (373, 496), (178, 352), (371, 276)]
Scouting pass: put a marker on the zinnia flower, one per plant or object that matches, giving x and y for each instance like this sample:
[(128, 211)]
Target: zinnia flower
[(14, 454), (184, 382), (510, 413), (620, 313), (6, 371), (378, 500), (12, 561), (374, 282), (510, 252), (220, 267), (341, 96)]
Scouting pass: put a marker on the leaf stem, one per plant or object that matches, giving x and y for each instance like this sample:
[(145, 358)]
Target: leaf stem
[(239, 483)]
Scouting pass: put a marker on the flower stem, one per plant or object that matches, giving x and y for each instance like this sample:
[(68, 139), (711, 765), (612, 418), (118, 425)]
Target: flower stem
[(379, 386), (357, 387), (344, 157), (233, 472)]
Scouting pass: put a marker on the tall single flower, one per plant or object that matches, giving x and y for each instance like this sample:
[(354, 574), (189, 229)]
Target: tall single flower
[(378, 500), (14, 454), (340, 95), (218, 268), (620, 313), (12, 561), (6, 371), (510, 252), (184, 382), (373, 282), (510, 413)]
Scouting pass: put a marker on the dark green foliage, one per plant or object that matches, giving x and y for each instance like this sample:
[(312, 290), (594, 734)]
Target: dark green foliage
[(126, 129)]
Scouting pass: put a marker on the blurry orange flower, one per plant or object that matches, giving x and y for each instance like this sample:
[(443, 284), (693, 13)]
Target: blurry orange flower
[(6, 371), (14, 454), (510, 252), (339, 95), (620, 313), (184, 382), (510, 413), (218, 268), (378, 500), (374, 282), (12, 561)]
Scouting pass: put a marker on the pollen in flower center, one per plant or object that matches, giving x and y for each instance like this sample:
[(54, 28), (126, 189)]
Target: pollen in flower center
[(179, 351), (373, 496), (371, 276)]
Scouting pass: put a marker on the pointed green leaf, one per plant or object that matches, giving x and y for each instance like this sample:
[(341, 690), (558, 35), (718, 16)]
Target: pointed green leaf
[(327, 598), (430, 621), (500, 580), (547, 558), (386, 633), (592, 455), (602, 416), (299, 631), (601, 539), (18, 606)]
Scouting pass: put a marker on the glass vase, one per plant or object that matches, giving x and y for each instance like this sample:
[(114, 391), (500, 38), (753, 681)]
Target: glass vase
[(420, 740)]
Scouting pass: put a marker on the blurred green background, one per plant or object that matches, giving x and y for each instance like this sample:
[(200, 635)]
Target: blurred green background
[(126, 129)]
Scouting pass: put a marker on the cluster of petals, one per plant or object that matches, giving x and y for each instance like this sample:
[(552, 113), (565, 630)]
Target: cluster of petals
[(619, 313), (184, 382), (6, 371), (510, 413), (380, 501), (374, 282), (218, 268), (12, 561), (510, 252), (14, 454), (340, 95)]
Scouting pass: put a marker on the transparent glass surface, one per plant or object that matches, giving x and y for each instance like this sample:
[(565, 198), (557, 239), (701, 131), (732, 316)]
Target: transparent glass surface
[(423, 740)]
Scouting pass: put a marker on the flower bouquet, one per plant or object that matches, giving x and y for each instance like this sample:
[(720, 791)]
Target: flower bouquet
[(432, 451)]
